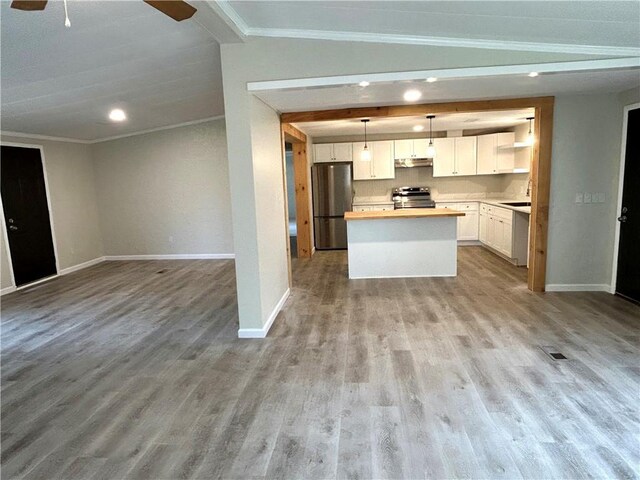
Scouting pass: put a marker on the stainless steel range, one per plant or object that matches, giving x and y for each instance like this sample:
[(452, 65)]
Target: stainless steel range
[(412, 197)]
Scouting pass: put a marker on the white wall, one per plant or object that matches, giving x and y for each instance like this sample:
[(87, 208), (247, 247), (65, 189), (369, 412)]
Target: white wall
[(261, 59), (581, 236), (165, 192), (71, 180), (478, 186), (270, 211)]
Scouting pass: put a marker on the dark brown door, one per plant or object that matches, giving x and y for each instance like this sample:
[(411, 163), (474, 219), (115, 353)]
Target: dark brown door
[(26, 214), (628, 279)]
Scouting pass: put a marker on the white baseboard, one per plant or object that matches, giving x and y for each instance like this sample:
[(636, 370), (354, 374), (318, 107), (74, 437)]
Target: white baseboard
[(80, 266), (578, 287), (262, 332), (6, 290), (178, 256)]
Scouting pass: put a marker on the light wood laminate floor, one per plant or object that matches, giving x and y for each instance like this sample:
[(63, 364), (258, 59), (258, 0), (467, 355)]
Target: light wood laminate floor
[(133, 370)]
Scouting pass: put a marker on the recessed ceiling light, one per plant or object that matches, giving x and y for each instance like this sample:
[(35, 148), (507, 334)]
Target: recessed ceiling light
[(412, 95), (533, 74), (432, 79), (117, 115), (418, 128), (364, 83)]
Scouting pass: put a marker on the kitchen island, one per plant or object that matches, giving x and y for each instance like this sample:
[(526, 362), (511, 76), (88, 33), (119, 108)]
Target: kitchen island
[(418, 242)]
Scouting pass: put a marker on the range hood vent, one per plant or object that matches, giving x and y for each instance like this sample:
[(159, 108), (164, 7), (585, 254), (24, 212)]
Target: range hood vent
[(413, 162)]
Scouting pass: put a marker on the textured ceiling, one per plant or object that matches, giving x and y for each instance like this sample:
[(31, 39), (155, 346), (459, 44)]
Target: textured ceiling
[(63, 82), (565, 24), (442, 122), (451, 89)]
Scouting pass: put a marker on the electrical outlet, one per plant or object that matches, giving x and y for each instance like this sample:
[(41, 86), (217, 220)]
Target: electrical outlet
[(578, 198), (601, 197), (587, 197)]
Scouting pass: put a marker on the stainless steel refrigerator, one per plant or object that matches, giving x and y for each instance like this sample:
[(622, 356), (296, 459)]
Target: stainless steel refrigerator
[(332, 196)]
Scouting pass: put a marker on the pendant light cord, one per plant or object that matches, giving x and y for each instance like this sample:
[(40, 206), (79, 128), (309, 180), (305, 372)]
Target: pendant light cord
[(67, 22), (365, 134)]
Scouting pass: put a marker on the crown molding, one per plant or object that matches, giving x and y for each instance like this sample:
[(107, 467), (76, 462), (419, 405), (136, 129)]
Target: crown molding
[(236, 19), (44, 137), (542, 68), (157, 129), (107, 139), (444, 41)]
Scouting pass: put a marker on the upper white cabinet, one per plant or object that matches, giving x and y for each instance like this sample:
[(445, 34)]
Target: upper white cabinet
[(412, 148), (496, 153), (444, 163), (454, 156), (332, 152), (380, 166), (465, 155)]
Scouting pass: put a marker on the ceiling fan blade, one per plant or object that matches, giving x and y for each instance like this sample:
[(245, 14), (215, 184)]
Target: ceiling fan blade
[(29, 5), (176, 9)]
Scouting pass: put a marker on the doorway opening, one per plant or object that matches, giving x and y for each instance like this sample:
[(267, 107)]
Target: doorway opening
[(27, 218), (538, 184), (626, 281), (291, 200)]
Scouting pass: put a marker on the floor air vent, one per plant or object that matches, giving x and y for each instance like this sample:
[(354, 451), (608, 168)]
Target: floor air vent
[(553, 353)]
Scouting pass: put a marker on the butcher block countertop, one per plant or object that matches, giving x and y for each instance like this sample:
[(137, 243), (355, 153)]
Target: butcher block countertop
[(406, 213)]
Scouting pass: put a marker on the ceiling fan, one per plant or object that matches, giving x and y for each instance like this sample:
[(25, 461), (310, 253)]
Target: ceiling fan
[(176, 9)]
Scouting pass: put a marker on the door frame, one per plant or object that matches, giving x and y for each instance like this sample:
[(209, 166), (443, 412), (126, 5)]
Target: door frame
[(539, 172), (623, 154), (298, 141), (53, 231)]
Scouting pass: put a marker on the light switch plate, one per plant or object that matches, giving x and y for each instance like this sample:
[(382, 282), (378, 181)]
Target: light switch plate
[(578, 198), (587, 197), (601, 197)]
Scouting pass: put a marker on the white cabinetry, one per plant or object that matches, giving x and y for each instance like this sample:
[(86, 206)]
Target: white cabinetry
[(412, 148), (496, 153), (381, 164), (373, 207), (497, 226), (454, 156), (444, 163), (332, 152), (468, 224)]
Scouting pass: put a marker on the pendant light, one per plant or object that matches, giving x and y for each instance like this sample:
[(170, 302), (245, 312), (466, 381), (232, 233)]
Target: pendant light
[(530, 137), (431, 149), (365, 154)]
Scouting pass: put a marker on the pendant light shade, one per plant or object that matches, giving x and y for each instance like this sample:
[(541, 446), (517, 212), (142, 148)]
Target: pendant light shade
[(431, 149), (365, 154), (530, 137)]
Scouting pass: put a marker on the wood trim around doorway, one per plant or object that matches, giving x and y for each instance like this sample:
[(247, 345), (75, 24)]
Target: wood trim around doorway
[(540, 171), (298, 141)]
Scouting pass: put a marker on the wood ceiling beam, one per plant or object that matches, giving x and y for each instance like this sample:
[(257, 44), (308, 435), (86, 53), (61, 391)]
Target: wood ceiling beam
[(413, 110), (292, 134)]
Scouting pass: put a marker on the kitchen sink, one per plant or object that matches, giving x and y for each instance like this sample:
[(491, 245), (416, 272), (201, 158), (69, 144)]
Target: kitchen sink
[(517, 204)]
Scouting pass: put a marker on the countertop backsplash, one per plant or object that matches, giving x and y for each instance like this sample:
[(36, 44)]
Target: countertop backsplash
[(478, 186)]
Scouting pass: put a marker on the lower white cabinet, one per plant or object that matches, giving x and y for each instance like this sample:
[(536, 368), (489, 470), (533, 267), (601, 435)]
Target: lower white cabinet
[(496, 225), (373, 207), (467, 225)]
